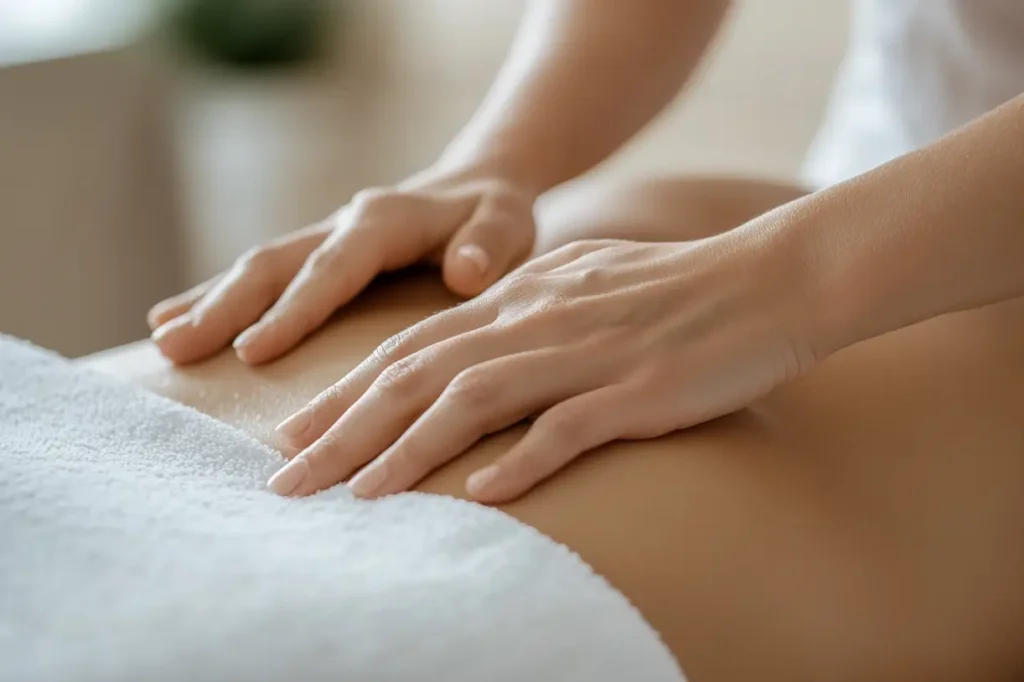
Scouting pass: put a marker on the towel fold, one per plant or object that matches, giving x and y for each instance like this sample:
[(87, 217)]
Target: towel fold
[(138, 542)]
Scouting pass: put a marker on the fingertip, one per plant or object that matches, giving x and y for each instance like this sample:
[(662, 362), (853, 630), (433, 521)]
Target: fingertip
[(251, 358), (171, 339), (297, 424), (247, 356), (161, 314), (467, 272), (476, 257), (485, 485), (253, 348), (313, 469), (243, 345), (291, 478), (371, 483)]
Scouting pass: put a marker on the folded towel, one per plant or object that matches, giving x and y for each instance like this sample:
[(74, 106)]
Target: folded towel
[(137, 542)]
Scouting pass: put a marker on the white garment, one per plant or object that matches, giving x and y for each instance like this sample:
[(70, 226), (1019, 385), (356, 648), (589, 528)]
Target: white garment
[(138, 542), (915, 70)]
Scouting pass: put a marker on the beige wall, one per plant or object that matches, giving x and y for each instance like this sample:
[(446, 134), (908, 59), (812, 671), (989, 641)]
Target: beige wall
[(92, 223), (86, 210), (753, 108)]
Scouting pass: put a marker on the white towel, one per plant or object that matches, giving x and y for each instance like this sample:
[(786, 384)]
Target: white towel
[(137, 542)]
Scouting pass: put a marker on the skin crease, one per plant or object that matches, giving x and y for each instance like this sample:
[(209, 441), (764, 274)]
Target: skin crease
[(613, 340), (896, 246), (861, 523), (571, 330), (289, 287), (473, 208)]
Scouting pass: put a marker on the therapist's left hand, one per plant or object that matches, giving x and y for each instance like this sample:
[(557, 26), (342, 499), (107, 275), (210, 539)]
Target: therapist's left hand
[(603, 340)]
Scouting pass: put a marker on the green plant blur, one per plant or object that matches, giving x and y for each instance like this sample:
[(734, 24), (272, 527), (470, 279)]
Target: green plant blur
[(253, 34)]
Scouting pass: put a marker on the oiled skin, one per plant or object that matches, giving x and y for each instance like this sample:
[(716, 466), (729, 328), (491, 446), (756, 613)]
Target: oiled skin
[(864, 523)]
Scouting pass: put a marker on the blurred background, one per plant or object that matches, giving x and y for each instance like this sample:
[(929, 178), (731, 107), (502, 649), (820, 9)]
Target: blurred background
[(144, 144)]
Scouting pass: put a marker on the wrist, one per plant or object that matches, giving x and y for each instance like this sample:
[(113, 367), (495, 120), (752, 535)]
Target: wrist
[(845, 290), (498, 164), (825, 300), (443, 173)]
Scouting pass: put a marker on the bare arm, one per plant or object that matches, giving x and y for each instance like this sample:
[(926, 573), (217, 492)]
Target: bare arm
[(582, 78), (936, 231)]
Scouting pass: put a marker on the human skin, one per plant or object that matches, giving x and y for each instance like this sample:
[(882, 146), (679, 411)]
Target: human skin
[(906, 589), (864, 522), (472, 210), (607, 340)]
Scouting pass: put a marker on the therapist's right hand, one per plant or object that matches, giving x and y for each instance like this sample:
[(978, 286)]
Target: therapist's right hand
[(476, 226)]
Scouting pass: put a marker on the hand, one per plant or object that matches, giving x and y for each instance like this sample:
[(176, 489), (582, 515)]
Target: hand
[(604, 339), (477, 227)]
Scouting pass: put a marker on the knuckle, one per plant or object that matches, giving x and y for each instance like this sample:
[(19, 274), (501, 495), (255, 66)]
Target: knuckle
[(401, 376), (321, 260), (534, 314), (517, 280), (516, 286), (332, 395), (575, 250), (474, 387), (257, 260), (561, 425), (372, 199), (590, 277), (553, 302), (503, 200), (258, 267), (534, 309), (392, 349)]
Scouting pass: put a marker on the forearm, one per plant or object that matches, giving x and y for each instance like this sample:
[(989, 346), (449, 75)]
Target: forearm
[(583, 76), (933, 232)]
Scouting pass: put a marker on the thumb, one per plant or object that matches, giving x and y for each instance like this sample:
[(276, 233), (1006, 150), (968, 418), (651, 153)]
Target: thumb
[(484, 249)]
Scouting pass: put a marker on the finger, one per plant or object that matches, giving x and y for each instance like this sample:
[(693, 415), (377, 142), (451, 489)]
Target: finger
[(170, 308), (557, 437), (485, 249), (481, 400), (564, 255), (333, 274), (311, 422), (391, 405), (237, 299), (234, 302)]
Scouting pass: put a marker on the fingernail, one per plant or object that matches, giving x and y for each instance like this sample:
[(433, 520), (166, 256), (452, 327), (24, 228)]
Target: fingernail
[(369, 481), (160, 333), (245, 337), (168, 328), (476, 255), (297, 424), (478, 483), (288, 479), (152, 316)]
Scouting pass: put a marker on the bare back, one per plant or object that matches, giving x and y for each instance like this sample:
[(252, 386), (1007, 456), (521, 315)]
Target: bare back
[(867, 518)]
